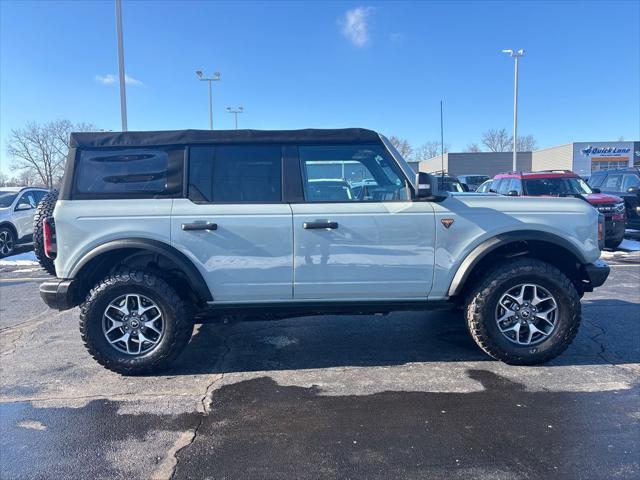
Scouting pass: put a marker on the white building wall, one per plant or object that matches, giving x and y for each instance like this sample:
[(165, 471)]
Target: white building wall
[(553, 158)]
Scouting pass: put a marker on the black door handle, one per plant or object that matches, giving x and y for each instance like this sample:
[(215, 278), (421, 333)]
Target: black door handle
[(319, 225), (199, 226)]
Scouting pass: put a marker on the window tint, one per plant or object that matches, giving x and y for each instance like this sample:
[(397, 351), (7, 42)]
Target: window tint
[(350, 173), (516, 185), (630, 181), (122, 173), (613, 183), (235, 173)]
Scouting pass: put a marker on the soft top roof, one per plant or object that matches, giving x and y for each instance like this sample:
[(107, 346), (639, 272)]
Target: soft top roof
[(188, 137)]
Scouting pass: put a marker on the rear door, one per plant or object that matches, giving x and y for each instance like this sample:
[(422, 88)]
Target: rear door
[(358, 235), (234, 225)]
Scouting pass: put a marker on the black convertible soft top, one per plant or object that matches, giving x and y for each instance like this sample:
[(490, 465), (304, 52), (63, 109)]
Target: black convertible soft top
[(187, 137)]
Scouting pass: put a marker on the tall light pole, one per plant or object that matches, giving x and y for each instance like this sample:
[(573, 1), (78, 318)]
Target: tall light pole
[(515, 54), (215, 78), (123, 91), (235, 112)]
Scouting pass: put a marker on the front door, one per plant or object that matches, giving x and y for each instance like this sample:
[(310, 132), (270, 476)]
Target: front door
[(358, 235), (234, 225)]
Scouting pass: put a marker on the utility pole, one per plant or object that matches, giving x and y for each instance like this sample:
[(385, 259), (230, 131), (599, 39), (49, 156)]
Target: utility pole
[(235, 112), (123, 91), (515, 55), (215, 78)]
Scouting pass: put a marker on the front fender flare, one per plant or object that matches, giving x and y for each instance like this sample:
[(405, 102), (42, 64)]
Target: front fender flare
[(486, 247)]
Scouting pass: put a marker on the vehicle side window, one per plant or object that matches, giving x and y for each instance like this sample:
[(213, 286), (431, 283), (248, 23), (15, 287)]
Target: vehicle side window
[(504, 186), (350, 173), (516, 185), (630, 181), (613, 183), (129, 173), (28, 197), (495, 185), (235, 174), (39, 195)]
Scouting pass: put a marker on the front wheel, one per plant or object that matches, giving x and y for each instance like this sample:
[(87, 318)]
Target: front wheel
[(133, 322), (7, 242), (524, 312)]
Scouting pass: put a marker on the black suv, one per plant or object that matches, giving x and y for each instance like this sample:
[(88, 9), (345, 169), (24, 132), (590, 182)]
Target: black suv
[(625, 184)]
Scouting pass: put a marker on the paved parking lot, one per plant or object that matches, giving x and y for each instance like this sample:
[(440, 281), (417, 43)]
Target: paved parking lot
[(404, 395)]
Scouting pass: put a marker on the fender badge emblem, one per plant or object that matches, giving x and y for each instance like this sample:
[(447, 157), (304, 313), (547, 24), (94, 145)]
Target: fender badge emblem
[(447, 222)]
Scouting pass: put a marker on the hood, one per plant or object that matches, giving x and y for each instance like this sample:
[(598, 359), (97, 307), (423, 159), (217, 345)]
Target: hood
[(599, 198)]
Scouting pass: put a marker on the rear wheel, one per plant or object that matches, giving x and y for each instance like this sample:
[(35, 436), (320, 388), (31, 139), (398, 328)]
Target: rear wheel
[(7, 242), (133, 322), (524, 312), (43, 210)]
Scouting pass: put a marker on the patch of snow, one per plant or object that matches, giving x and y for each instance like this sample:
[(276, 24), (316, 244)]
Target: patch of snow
[(20, 259), (630, 245), (279, 342)]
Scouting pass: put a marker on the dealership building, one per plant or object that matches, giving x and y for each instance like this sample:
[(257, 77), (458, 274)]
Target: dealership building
[(580, 157)]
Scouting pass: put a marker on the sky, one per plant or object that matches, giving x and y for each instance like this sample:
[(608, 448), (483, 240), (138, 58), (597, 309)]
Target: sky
[(330, 64)]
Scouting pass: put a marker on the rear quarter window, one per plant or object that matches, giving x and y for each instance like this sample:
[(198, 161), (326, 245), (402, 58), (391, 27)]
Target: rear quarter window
[(129, 173)]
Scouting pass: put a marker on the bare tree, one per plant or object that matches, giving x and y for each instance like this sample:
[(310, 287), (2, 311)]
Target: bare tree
[(473, 148), (497, 140), (39, 151), (526, 143), (403, 146), (429, 150)]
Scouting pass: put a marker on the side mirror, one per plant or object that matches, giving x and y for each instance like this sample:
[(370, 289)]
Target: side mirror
[(427, 185), (596, 190), (632, 190), (512, 193), (23, 206)]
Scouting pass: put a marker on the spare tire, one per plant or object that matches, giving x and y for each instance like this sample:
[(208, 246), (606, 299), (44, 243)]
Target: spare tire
[(43, 210)]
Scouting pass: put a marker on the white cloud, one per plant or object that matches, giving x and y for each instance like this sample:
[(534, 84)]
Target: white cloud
[(355, 25), (111, 79)]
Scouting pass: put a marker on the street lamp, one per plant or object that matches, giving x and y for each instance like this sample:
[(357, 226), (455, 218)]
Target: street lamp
[(515, 54), (121, 75), (215, 78), (235, 112)]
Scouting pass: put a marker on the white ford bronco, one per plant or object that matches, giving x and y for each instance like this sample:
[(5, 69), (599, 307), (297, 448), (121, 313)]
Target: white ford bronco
[(156, 231)]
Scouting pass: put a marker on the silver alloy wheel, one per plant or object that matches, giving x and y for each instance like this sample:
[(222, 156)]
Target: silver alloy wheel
[(6, 242), (527, 314), (133, 324)]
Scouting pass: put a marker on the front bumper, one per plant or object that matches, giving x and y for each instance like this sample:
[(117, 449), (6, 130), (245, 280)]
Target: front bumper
[(58, 293), (614, 229), (596, 273)]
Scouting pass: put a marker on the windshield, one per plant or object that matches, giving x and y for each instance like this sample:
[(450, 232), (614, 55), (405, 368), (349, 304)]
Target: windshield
[(7, 198), (556, 186)]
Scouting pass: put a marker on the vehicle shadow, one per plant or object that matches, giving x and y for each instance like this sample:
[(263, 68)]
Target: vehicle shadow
[(396, 339)]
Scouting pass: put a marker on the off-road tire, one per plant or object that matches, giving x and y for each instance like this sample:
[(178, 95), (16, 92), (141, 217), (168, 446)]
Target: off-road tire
[(484, 295), (613, 244), (177, 329), (8, 242), (43, 210)]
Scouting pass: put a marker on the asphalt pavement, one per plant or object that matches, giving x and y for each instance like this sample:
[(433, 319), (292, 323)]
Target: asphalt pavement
[(407, 395)]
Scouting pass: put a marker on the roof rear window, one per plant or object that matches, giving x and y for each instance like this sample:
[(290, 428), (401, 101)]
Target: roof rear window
[(123, 173)]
